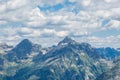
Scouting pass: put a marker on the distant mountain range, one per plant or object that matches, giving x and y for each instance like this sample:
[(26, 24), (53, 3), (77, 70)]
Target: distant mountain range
[(68, 60)]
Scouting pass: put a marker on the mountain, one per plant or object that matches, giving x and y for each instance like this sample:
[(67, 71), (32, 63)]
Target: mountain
[(67, 40), (68, 60), (68, 44), (22, 50), (108, 53), (112, 74), (72, 61)]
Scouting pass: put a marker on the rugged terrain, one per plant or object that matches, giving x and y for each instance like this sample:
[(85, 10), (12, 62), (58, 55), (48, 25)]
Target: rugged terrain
[(68, 60)]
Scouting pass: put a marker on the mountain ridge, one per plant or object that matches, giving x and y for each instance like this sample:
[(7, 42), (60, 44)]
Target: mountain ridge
[(69, 60)]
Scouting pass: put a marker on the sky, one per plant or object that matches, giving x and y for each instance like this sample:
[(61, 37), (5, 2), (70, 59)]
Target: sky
[(48, 21)]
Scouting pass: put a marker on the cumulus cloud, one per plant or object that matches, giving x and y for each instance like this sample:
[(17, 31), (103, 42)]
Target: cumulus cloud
[(113, 24), (16, 4), (35, 18), (76, 18), (47, 2), (86, 2), (3, 22), (105, 42), (53, 32)]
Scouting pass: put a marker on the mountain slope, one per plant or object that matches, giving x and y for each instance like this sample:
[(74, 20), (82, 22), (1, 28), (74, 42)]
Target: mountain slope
[(72, 61), (112, 74), (22, 50), (108, 53), (69, 60)]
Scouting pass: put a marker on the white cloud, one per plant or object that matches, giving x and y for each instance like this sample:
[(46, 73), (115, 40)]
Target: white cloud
[(15, 37), (53, 32), (114, 24), (108, 1), (23, 18), (79, 33), (26, 30), (111, 1), (82, 2), (72, 0), (110, 41), (62, 33), (48, 2), (2, 8), (34, 34), (3, 22), (16, 4), (21, 12), (103, 13), (49, 31), (35, 18), (86, 2), (12, 31)]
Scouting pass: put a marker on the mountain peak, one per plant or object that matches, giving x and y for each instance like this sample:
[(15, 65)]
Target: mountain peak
[(21, 50), (25, 41), (67, 40), (24, 45)]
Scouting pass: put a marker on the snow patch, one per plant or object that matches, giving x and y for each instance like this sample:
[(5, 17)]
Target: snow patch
[(82, 54)]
